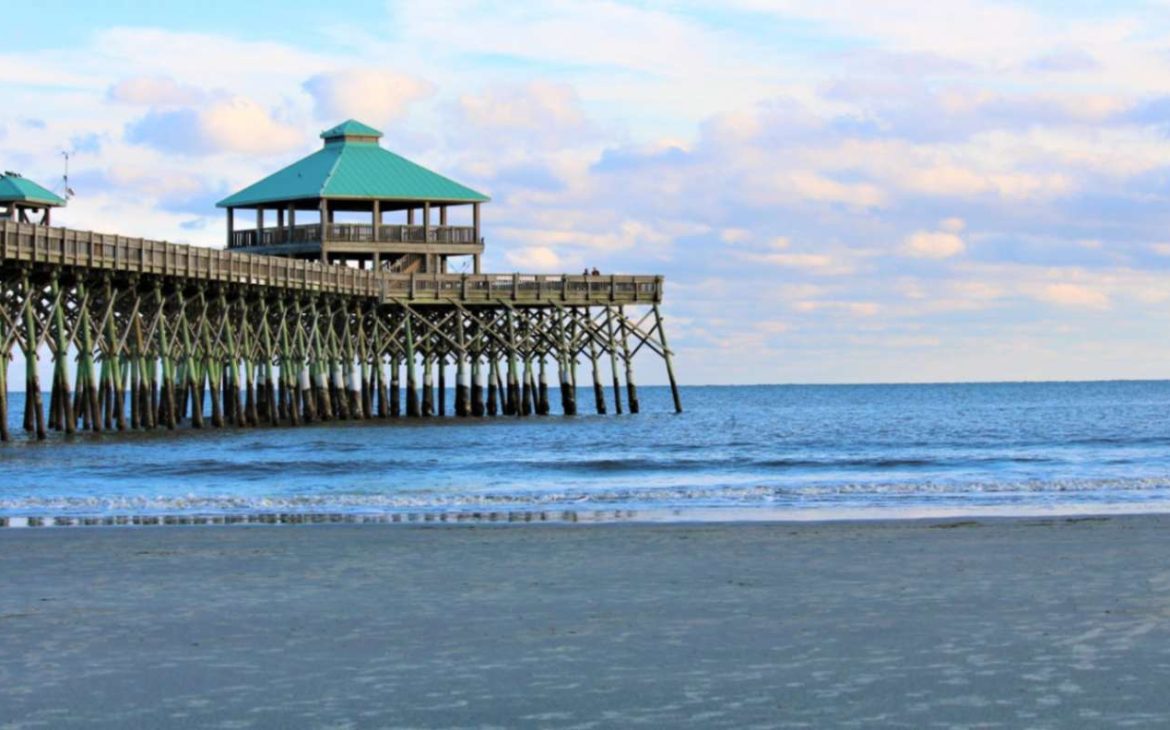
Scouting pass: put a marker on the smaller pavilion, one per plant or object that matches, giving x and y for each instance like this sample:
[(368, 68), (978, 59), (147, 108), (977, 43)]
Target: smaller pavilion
[(347, 189), (20, 197)]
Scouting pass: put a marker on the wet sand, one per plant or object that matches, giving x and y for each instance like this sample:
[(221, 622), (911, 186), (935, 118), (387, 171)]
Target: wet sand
[(970, 623)]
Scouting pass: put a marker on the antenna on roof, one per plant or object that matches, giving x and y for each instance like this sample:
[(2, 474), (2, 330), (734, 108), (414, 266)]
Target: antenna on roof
[(65, 178)]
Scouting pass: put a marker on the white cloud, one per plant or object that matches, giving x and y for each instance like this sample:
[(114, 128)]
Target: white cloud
[(814, 263), (540, 259), (735, 235), (371, 95), (154, 91), (933, 245), (953, 225), (234, 124), (539, 107), (1072, 295)]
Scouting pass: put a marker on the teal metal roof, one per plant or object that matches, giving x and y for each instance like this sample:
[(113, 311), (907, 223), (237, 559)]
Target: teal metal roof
[(14, 188), (353, 166), (351, 128)]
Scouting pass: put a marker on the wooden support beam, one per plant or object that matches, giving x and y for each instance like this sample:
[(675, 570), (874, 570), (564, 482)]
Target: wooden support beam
[(611, 345), (492, 386), (669, 364), (412, 406), (477, 405), (34, 419), (631, 387)]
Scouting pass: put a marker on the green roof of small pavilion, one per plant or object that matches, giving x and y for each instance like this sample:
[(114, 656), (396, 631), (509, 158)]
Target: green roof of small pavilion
[(17, 189), (353, 166)]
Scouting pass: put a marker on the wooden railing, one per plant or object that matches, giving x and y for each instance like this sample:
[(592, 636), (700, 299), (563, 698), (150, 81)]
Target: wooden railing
[(353, 233), (22, 243)]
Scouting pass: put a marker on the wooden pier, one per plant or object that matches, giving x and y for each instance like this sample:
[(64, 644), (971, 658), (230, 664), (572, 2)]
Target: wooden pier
[(166, 334)]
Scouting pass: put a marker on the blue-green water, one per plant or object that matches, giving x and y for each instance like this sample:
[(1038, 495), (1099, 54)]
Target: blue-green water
[(824, 451)]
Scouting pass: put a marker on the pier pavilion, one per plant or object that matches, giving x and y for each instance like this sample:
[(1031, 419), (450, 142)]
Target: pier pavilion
[(354, 176), (20, 197), (275, 331)]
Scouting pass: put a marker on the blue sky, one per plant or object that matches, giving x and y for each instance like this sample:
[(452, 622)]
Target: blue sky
[(839, 191)]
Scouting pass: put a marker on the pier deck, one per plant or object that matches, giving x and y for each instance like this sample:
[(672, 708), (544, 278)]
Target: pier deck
[(173, 330), (50, 247)]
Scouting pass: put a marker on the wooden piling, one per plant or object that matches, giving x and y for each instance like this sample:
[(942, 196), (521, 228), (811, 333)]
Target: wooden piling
[(526, 394), (611, 345), (395, 388), (232, 399), (379, 374), (34, 405), (113, 354), (147, 380), (568, 392), (167, 414), (477, 405), (666, 355), (462, 386), (598, 389), (631, 387), (309, 393), (4, 357), (412, 409), (86, 363), (542, 404), (62, 415), (428, 399), (493, 386), (512, 401)]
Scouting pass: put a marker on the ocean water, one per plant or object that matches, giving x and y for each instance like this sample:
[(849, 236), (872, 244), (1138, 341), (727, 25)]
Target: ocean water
[(736, 453)]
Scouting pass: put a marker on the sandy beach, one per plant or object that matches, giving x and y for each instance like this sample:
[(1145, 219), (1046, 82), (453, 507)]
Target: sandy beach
[(936, 623)]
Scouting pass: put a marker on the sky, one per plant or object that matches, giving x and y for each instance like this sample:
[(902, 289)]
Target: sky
[(836, 191)]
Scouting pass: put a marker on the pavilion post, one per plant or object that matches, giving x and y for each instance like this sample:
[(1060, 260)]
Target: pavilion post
[(324, 227), (231, 224)]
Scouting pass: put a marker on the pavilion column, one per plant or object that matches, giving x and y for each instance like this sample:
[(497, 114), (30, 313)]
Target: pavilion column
[(45, 220), (442, 221), (259, 226), (410, 216), (475, 260), (231, 225), (280, 224), (377, 223), (292, 220), (429, 259), (324, 226)]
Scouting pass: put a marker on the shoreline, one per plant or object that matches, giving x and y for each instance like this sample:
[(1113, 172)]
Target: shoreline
[(1020, 622), (726, 516)]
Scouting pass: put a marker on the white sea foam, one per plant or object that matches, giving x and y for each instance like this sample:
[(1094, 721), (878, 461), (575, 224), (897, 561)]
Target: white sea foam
[(1077, 494)]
